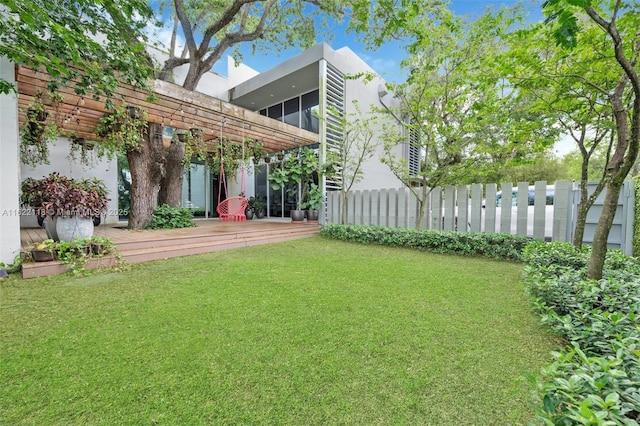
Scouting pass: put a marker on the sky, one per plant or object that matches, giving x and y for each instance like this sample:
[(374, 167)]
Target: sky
[(386, 59)]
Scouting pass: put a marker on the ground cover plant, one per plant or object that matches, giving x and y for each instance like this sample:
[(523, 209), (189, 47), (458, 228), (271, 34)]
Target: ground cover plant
[(313, 331), (488, 244), (595, 379)]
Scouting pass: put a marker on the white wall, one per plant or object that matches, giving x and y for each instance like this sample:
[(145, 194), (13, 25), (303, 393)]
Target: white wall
[(9, 172), (238, 73), (104, 169), (375, 174)]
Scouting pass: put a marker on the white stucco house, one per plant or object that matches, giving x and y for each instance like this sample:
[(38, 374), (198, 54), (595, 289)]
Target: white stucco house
[(297, 91)]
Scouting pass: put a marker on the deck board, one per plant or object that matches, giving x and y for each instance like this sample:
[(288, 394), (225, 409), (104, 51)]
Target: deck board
[(207, 236)]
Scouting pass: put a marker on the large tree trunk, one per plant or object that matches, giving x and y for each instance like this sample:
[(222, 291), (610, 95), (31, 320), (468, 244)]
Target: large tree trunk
[(171, 183), (147, 166), (601, 234)]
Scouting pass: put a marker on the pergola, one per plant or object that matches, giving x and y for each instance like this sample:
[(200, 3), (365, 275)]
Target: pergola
[(173, 106)]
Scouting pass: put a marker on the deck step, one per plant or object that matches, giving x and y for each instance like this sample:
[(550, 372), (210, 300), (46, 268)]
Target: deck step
[(149, 248)]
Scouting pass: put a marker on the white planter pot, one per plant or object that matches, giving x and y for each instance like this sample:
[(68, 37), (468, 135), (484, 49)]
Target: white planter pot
[(74, 228)]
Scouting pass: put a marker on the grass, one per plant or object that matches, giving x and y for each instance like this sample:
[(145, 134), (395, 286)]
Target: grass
[(311, 331)]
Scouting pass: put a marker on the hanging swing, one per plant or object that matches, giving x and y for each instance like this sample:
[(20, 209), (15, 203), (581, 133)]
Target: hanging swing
[(231, 209)]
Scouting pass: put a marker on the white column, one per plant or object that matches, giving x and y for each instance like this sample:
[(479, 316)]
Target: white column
[(10, 169)]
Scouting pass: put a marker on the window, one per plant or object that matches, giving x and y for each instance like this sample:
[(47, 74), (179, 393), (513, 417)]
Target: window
[(275, 112), (292, 112), (301, 111), (310, 103)]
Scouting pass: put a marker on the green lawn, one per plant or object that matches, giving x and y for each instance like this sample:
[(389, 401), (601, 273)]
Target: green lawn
[(306, 332)]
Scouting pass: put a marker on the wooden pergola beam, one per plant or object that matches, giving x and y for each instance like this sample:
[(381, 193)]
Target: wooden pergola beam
[(173, 106)]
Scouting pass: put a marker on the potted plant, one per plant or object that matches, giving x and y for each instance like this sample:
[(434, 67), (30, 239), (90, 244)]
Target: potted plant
[(313, 202), (256, 149), (120, 130), (37, 131), (68, 203), (256, 205), (101, 246), (43, 251), (300, 171), (79, 149)]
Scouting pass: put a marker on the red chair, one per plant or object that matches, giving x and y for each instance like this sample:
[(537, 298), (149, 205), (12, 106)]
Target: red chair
[(232, 209)]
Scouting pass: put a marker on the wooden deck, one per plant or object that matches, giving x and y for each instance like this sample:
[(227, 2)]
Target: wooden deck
[(146, 245)]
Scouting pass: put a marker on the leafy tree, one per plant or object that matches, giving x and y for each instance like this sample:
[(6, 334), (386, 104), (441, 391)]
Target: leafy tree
[(452, 106), (575, 166), (544, 167), (571, 87), (619, 21), (358, 144), (96, 43)]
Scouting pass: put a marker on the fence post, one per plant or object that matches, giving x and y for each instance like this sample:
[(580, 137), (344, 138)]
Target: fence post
[(475, 217), (366, 207), (491, 191), (392, 208), (505, 208), (462, 216), (412, 209), (351, 201), (383, 212), (357, 208), (375, 207), (522, 208), (333, 198), (402, 208), (539, 210), (628, 213), (436, 211), (449, 208), (561, 211)]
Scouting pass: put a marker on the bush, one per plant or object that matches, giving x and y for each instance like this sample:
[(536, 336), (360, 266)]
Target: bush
[(497, 246), (167, 217), (596, 378)]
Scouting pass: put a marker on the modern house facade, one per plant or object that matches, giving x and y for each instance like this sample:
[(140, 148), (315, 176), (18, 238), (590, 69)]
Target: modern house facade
[(309, 91)]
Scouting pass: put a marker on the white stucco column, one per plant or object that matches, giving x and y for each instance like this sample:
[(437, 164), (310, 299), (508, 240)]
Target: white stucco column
[(9, 169)]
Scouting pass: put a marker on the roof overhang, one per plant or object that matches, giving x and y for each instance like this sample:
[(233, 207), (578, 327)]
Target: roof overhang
[(295, 76)]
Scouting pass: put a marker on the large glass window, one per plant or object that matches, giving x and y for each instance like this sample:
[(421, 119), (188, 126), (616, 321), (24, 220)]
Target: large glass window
[(292, 112), (301, 111), (275, 112), (194, 190), (310, 104)]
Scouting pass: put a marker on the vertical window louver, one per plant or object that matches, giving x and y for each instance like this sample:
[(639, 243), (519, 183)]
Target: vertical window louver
[(335, 113), (414, 152)]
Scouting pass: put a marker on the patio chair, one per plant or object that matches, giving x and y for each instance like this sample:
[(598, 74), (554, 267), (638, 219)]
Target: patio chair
[(232, 209)]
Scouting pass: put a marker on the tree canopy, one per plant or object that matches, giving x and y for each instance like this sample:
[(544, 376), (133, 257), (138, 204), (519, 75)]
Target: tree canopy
[(96, 43)]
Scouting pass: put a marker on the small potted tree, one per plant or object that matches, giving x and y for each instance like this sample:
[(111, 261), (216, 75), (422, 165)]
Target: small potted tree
[(313, 202), (256, 205)]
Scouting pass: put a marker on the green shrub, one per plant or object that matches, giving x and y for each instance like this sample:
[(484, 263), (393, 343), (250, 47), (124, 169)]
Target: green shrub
[(167, 217), (498, 246), (596, 378)]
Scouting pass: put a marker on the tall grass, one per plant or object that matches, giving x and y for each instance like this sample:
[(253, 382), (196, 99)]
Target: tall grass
[(306, 332)]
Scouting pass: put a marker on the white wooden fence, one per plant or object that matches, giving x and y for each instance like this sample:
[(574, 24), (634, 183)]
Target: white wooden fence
[(541, 211)]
